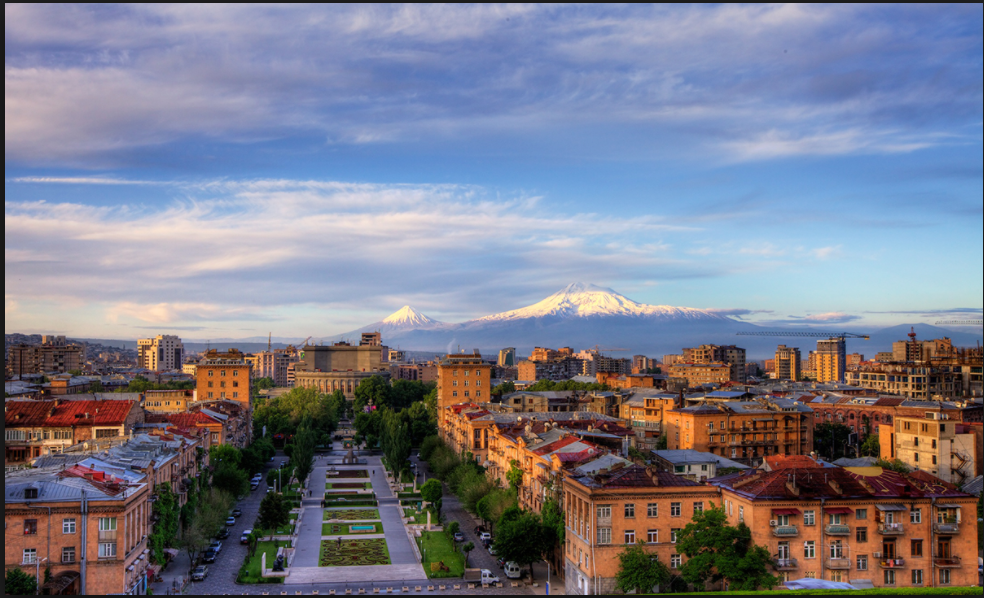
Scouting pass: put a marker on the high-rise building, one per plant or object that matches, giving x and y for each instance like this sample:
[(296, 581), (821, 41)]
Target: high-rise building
[(462, 378), (831, 360), (730, 354), (53, 355), (507, 358), (642, 363), (164, 353), (787, 364), (272, 365)]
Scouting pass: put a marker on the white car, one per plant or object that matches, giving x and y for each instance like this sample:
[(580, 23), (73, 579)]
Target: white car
[(488, 578), (485, 538)]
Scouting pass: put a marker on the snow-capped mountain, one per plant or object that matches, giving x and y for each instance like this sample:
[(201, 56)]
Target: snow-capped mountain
[(586, 300), (406, 320), (408, 317)]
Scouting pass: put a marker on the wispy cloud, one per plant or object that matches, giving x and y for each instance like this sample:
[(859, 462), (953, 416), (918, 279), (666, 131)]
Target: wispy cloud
[(739, 313)]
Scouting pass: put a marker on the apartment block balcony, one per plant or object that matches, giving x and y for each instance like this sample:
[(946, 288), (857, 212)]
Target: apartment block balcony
[(107, 537), (947, 529), (839, 564), (949, 562), (787, 565), (891, 563), (785, 531), (838, 530), (891, 529)]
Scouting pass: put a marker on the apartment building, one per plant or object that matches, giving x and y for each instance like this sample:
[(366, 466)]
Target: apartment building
[(864, 414), (909, 380), (272, 365), (734, 356), (645, 412), (53, 355), (615, 508), (694, 465), (415, 372), (462, 378), (507, 357), (163, 353), (36, 428), (701, 374), (868, 527), (558, 370), (830, 360), (788, 364), (933, 443), (854, 360), (746, 432), (224, 376), (629, 381), (916, 351), (168, 401), (642, 364)]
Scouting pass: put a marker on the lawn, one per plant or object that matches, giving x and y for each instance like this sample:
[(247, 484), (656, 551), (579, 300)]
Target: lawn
[(282, 531), (409, 496), (879, 592), (250, 573), (336, 529), (354, 553), (352, 515), (421, 519), (437, 548)]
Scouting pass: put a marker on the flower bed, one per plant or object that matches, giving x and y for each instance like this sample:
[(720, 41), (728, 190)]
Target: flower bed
[(352, 515), (338, 529), (354, 553)]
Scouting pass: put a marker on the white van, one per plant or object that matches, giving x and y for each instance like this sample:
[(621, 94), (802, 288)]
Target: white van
[(513, 571)]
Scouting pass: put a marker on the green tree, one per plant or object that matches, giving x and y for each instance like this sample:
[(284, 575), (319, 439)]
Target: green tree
[(553, 518), (716, 551), (515, 476), (830, 441), (432, 491), (662, 442), (430, 401), (428, 446), (264, 384), (494, 505), (506, 388), (897, 466), (451, 529), (640, 571), (274, 513), (523, 539), (467, 549), (230, 479), (168, 522), (396, 442), (227, 454), (96, 386), (372, 391), (18, 583), (871, 446)]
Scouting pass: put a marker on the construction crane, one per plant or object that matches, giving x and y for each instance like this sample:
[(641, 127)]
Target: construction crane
[(961, 323), (599, 349), (842, 335)]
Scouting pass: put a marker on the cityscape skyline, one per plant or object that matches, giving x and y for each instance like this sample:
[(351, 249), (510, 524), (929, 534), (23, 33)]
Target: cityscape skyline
[(763, 161)]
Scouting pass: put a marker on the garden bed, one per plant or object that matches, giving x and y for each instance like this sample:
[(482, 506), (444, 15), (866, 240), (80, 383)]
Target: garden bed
[(436, 548), (352, 515), (354, 553), (345, 529), (359, 474), (349, 486), (250, 572), (342, 504)]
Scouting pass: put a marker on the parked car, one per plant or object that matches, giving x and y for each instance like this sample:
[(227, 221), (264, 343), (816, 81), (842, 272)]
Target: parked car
[(199, 574), (237, 513), (209, 556), (223, 535), (492, 551), (513, 571), (216, 546), (459, 537), (244, 539), (485, 538), (230, 522)]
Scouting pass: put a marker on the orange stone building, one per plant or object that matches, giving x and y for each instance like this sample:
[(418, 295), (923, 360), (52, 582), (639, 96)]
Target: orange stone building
[(224, 376), (698, 374), (462, 379)]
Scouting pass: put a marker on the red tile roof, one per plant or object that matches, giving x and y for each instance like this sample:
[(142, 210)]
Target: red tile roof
[(44, 414), (637, 476), (791, 462), (809, 483), (889, 402), (191, 420), (26, 414)]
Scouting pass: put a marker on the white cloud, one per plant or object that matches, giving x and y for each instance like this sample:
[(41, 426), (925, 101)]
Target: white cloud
[(825, 253), (831, 318)]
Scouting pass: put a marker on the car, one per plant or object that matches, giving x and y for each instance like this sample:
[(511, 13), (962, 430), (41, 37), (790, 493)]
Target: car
[(209, 556), (485, 538), (254, 487), (513, 571), (244, 539), (223, 535), (492, 551), (237, 513), (199, 574), (216, 546), (459, 537), (230, 522)]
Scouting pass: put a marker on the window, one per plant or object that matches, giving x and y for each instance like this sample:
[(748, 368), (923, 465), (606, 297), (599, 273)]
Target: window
[(835, 519), (861, 514), (210, 384), (810, 550), (211, 396), (917, 577), (107, 551), (862, 535), (945, 577), (467, 394), (674, 533), (235, 385), (862, 563), (211, 373), (652, 536), (454, 394), (676, 561), (604, 536), (222, 373), (478, 394), (652, 511), (68, 555), (630, 511), (467, 373), (235, 374), (917, 548), (30, 556), (454, 383), (630, 537), (107, 524), (68, 526), (836, 549), (676, 509), (698, 507), (915, 516), (741, 514), (889, 577), (605, 512), (30, 527)]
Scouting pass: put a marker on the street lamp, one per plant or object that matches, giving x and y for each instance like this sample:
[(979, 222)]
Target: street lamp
[(37, 573)]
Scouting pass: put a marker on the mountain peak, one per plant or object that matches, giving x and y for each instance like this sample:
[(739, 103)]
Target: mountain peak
[(408, 316), (580, 287)]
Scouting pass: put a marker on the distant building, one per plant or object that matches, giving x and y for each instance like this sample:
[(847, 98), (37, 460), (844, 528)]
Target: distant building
[(909, 380), (272, 365), (855, 359), (415, 372), (701, 374), (916, 351), (557, 370), (224, 376), (730, 354), (694, 465), (168, 401), (831, 360), (340, 367), (462, 379), (885, 357), (163, 353), (938, 446), (53, 355), (787, 364), (507, 357), (643, 364)]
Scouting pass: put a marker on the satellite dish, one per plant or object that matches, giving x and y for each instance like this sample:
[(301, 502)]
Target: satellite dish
[(85, 446)]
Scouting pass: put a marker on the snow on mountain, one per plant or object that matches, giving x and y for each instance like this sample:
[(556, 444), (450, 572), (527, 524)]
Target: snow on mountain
[(408, 317), (586, 300)]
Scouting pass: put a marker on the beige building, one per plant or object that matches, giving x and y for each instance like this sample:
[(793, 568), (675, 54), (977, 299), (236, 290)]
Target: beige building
[(731, 355), (272, 365), (932, 444), (831, 360), (909, 380), (507, 358), (53, 355), (462, 379), (160, 354), (224, 377), (916, 351), (340, 366), (700, 374), (787, 364)]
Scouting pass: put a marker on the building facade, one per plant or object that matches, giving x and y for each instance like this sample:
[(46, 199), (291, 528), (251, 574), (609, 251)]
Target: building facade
[(910, 380), (224, 377), (272, 365), (701, 374), (53, 355), (934, 444), (160, 354), (734, 356), (831, 360), (507, 357), (462, 378), (788, 364), (340, 367)]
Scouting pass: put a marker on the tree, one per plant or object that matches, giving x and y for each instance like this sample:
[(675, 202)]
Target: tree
[(515, 477), (18, 583), (452, 528), (640, 571), (523, 539), (264, 384), (871, 446), (432, 491), (372, 391), (494, 506), (230, 479), (96, 386), (168, 521), (830, 441), (274, 513), (897, 466), (553, 519), (225, 453), (662, 442), (467, 549), (717, 551), (429, 446), (504, 389)]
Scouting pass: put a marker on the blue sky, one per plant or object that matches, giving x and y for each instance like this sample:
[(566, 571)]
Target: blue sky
[(225, 171)]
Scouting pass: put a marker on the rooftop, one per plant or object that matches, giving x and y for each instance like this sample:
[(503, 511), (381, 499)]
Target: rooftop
[(631, 477)]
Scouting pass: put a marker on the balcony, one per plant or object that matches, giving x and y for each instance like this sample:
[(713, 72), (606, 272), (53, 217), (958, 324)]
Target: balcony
[(839, 564), (891, 529), (786, 565), (891, 563), (949, 562), (785, 531), (947, 529), (838, 530), (107, 537)]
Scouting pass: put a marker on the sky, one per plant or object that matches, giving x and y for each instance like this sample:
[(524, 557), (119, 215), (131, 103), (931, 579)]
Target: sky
[(229, 171)]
